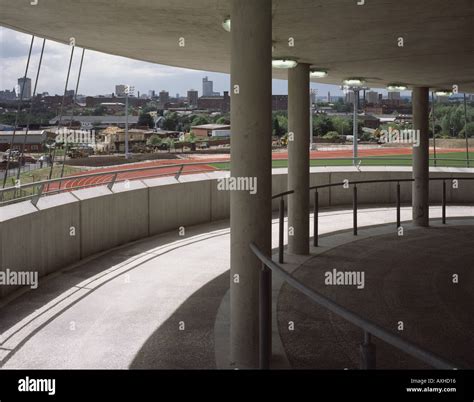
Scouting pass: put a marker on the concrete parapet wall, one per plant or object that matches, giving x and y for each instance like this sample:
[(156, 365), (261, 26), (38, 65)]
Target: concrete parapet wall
[(65, 228)]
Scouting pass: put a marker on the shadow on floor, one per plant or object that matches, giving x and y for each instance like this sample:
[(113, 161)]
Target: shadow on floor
[(63, 285), (193, 347)]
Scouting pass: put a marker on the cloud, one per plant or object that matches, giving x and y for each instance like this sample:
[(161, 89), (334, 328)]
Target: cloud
[(101, 72)]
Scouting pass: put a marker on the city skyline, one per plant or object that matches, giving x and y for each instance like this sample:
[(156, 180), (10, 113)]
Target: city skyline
[(96, 79)]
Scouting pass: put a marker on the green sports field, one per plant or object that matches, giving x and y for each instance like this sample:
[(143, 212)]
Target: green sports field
[(442, 160)]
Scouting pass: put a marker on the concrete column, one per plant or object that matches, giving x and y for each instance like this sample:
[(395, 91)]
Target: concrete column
[(298, 159), (420, 200), (250, 214)]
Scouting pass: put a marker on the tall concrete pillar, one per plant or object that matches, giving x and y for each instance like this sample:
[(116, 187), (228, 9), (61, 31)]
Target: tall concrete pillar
[(298, 159), (250, 214), (420, 198)]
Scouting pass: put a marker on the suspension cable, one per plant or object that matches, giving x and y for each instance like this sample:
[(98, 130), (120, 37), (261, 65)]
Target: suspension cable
[(61, 112), (30, 113), (72, 113), (18, 112)]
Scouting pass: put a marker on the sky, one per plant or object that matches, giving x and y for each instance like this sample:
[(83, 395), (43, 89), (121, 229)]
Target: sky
[(101, 72)]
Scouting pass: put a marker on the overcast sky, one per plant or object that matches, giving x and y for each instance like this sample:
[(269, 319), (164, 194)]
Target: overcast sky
[(101, 72)]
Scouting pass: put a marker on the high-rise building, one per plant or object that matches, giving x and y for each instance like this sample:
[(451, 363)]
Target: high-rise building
[(349, 99), (394, 95), (329, 97), (151, 93), (208, 88), (193, 97), (164, 97), (120, 90), (313, 95), (372, 97), (24, 88)]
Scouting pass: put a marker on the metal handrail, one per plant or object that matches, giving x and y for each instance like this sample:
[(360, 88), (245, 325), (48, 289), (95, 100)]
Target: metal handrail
[(367, 348), (35, 197), (369, 327), (113, 174), (355, 183)]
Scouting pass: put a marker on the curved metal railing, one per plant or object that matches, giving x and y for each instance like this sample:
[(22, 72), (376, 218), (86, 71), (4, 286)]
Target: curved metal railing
[(370, 328), (354, 185), (43, 188), (367, 348)]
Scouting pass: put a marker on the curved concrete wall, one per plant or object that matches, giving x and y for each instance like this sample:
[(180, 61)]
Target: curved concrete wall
[(65, 228)]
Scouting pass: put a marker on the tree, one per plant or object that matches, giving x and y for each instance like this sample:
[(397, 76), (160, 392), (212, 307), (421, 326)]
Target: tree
[(342, 125), (223, 120), (276, 129), (154, 140), (150, 107), (99, 111), (145, 119), (332, 135), (171, 121), (200, 120), (470, 130), (322, 125)]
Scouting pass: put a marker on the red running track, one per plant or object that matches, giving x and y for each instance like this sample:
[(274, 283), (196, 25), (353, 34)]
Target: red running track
[(205, 167)]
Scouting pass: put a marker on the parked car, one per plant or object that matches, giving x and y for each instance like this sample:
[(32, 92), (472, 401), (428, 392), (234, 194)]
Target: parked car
[(27, 159), (15, 153), (45, 159), (80, 152)]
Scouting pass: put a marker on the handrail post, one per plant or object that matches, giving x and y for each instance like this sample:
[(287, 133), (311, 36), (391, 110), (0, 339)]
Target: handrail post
[(443, 201), (265, 307), (36, 198), (367, 353), (178, 174), (354, 208), (316, 218), (398, 205), (281, 223), (112, 182)]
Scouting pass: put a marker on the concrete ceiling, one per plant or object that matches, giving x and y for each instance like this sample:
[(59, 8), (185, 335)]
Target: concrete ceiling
[(347, 39)]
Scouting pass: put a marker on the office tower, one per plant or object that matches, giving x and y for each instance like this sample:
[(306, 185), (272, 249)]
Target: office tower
[(193, 97), (26, 88)]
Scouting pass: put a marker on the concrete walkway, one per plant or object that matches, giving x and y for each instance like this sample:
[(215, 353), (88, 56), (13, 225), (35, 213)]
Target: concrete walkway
[(150, 304)]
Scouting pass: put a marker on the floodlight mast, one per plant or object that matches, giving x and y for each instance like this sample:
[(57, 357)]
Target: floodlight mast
[(128, 91), (355, 132), (312, 93)]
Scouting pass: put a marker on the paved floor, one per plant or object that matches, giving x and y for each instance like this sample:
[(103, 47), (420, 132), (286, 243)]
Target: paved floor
[(151, 304)]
